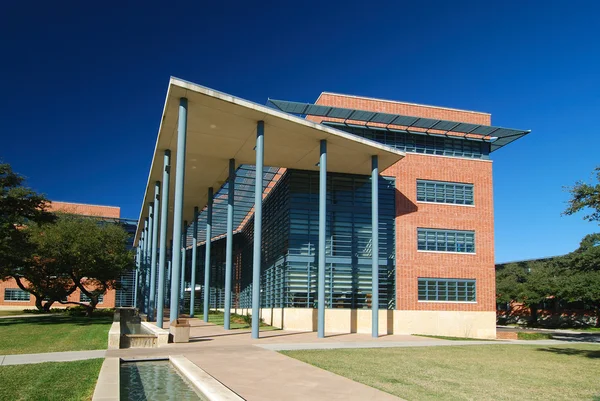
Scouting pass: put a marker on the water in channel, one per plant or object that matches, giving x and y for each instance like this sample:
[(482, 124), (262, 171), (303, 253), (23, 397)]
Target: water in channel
[(154, 381)]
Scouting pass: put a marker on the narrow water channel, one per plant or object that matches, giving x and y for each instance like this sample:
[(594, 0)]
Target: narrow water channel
[(154, 381)]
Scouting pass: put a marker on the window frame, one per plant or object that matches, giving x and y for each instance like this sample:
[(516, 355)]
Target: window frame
[(18, 290), (461, 288), (439, 191), (439, 239)]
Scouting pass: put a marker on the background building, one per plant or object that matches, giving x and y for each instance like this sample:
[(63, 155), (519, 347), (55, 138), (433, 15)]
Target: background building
[(11, 296)]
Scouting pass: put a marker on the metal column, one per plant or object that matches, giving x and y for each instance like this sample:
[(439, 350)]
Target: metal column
[(164, 212), (256, 257), (375, 245), (154, 246), (150, 249), (322, 239), (229, 245), (144, 267), (178, 207), (194, 267), (207, 254), (183, 265), (137, 270)]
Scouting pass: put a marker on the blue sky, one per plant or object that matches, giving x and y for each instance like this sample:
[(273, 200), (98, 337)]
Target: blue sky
[(83, 85)]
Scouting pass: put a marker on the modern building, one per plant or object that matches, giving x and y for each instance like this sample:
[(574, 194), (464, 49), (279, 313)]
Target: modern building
[(12, 297), (375, 216)]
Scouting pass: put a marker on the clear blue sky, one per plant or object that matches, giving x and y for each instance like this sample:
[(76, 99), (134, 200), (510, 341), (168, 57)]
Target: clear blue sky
[(83, 85)]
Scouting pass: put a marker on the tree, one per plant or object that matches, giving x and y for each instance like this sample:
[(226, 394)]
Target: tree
[(19, 207), (580, 275), (529, 283), (80, 252), (585, 196)]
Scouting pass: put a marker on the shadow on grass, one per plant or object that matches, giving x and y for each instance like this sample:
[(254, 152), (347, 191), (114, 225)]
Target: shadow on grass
[(572, 351), (56, 320)]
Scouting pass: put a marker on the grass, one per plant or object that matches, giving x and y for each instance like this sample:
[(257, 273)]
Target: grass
[(534, 336), (50, 381), (452, 338), (11, 312), (53, 334), (474, 372), (236, 322)]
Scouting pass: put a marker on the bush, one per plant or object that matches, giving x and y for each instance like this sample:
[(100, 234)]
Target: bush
[(81, 311), (39, 312)]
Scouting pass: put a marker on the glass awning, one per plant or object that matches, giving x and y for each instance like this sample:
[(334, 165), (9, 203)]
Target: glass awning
[(498, 136)]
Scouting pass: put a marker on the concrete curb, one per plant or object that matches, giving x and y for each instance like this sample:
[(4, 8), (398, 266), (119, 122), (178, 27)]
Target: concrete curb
[(208, 386), (108, 387)]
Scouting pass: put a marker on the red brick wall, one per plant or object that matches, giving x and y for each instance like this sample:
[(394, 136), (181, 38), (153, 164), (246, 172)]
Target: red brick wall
[(86, 210), (410, 263), (108, 302)]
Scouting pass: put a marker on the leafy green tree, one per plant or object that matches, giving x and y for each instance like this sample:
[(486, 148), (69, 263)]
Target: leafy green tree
[(580, 275), (19, 207), (529, 283), (83, 253), (586, 196)]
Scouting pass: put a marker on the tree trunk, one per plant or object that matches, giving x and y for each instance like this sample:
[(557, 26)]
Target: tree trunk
[(38, 303), (533, 309), (48, 305), (90, 308)]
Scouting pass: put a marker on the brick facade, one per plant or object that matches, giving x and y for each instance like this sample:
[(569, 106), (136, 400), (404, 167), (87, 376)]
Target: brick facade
[(411, 263), (74, 208)]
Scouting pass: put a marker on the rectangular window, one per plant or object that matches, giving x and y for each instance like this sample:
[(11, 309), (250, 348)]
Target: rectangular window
[(16, 294), (429, 239), (444, 192), (447, 290), (85, 298)]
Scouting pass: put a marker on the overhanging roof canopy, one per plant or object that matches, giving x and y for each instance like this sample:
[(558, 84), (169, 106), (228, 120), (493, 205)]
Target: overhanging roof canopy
[(498, 136), (221, 127)]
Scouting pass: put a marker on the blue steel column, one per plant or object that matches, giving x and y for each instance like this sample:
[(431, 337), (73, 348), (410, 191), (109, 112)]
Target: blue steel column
[(154, 247), (141, 273), (178, 208), (145, 268), (194, 256), (229, 245), (137, 270), (322, 233), (256, 257), (164, 212), (375, 245), (207, 254), (183, 264), (150, 249)]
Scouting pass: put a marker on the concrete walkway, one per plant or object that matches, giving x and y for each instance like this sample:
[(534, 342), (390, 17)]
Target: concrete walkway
[(23, 359), (253, 370), (31, 315)]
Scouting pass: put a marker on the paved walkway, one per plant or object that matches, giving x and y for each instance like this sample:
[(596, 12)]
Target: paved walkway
[(253, 370), (31, 315), (23, 359)]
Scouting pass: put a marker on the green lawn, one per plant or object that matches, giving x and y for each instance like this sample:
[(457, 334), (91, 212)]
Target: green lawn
[(30, 335), (11, 312), (452, 338), (534, 336), (236, 322), (475, 372), (50, 381)]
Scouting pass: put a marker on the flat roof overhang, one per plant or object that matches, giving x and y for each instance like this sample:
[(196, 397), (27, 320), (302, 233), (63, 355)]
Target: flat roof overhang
[(221, 127)]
